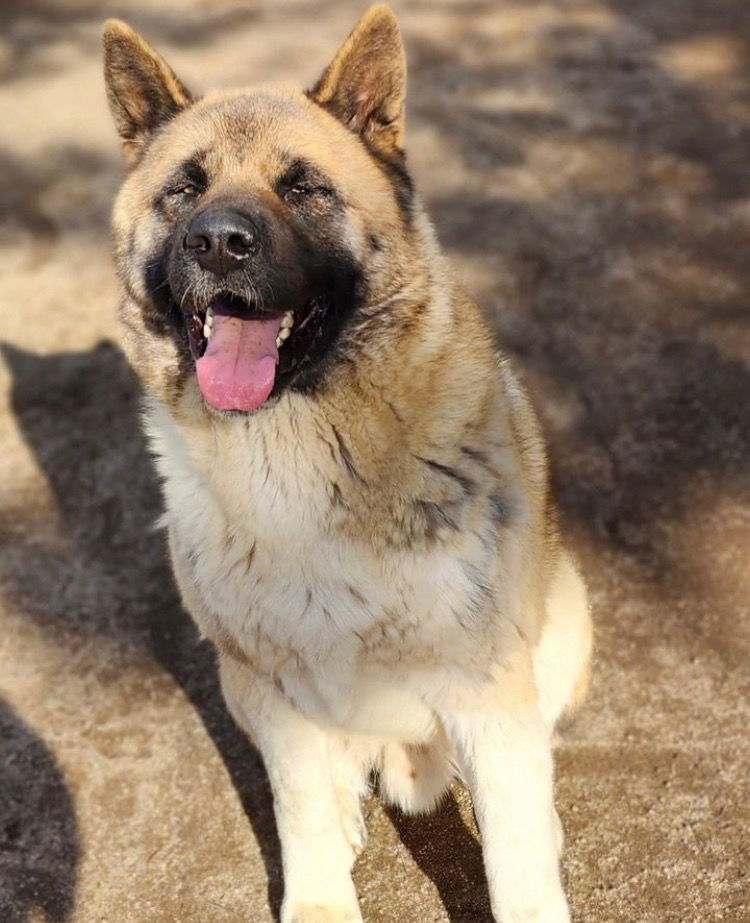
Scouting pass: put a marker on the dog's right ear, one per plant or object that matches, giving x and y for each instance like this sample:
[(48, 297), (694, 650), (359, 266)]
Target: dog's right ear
[(142, 89)]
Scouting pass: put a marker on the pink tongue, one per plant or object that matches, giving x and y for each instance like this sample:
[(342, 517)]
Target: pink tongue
[(238, 369)]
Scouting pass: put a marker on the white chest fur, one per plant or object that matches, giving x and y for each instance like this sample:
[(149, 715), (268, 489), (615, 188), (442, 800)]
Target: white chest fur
[(260, 560)]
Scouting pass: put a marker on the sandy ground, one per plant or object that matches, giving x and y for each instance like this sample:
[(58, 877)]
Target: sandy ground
[(587, 163)]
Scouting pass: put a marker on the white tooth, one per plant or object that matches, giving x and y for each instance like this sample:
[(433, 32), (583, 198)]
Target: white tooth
[(283, 335), (287, 321), (208, 323)]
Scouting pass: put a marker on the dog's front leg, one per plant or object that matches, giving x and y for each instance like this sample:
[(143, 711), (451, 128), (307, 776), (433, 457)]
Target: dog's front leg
[(503, 751), (316, 855)]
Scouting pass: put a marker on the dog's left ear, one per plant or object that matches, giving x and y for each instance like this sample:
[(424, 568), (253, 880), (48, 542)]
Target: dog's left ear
[(365, 84), (143, 90)]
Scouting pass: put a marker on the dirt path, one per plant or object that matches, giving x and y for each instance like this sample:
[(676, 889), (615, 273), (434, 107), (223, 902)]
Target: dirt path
[(587, 163)]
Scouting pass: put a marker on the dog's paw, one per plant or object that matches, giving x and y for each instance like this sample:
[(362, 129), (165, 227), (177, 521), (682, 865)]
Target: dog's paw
[(318, 913), (352, 820), (355, 829), (549, 906)]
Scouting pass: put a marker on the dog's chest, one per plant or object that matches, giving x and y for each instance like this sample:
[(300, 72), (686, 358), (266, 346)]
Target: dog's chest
[(253, 535)]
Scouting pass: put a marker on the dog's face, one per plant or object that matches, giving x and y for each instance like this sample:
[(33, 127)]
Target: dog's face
[(257, 229)]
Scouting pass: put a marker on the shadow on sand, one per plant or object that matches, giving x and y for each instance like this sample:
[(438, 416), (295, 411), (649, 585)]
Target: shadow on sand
[(79, 414), (39, 847)]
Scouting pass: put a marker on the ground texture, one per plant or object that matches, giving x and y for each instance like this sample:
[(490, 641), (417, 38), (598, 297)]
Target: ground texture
[(587, 163)]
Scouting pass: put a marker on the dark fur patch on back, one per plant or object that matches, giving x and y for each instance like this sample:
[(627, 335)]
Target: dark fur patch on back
[(499, 509), (475, 455), (466, 484), (436, 519), (346, 457)]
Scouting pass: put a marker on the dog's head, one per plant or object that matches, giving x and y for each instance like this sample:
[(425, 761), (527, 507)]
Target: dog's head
[(258, 230)]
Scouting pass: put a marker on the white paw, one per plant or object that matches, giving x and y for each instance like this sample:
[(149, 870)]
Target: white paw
[(319, 913), (551, 908), (352, 821), (354, 827)]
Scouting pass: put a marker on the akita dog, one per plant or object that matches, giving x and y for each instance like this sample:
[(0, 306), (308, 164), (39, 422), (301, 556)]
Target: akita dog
[(356, 488)]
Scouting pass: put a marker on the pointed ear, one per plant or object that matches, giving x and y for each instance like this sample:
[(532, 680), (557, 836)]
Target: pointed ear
[(142, 89), (365, 85)]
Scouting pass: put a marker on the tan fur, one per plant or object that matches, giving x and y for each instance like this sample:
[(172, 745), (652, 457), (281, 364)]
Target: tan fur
[(372, 60), (377, 562)]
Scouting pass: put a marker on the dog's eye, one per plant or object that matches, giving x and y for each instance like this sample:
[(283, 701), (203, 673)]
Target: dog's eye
[(188, 190), (300, 191)]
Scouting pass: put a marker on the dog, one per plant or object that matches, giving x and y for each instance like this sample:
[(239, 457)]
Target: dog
[(356, 488)]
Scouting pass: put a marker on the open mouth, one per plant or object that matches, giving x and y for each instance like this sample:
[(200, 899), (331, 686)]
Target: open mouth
[(238, 349)]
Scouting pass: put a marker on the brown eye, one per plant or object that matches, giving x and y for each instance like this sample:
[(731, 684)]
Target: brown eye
[(301, 191), (297, 191), (187, 190)]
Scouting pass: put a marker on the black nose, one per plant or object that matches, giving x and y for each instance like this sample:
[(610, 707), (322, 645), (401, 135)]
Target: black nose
[(221, 240)]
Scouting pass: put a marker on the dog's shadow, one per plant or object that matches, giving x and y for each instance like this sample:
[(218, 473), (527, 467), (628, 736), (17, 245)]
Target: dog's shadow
[(79, 414), (109, 575), (448, 852)]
